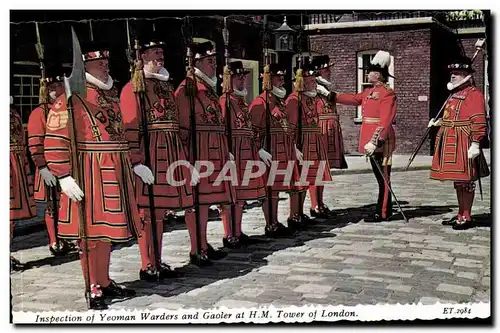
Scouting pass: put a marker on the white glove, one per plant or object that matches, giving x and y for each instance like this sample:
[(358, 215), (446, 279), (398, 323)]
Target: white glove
[(145, 173), (299, 154), (48, 177), (71, 188), (266, 157), (231, 157), (433, 122), (370, 148), (195, 176), (473, 151), (322, 90)]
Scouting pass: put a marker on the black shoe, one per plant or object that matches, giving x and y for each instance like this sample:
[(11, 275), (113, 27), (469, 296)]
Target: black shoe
[(61, 248), (296, 223), (215, 254), (305, 218), (321, 212), (464, 224), (245, 240), (231, 242), (115, 290), (15, 265), (451, 221), (200, 260), (149, 274), (375, 218), (97, 302), (166, 272), (278, 230)]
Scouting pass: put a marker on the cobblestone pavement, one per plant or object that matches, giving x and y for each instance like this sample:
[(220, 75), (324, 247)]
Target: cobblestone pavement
[(343, 261)]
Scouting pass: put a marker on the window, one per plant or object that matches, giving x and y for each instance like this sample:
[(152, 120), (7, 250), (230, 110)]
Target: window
[(305, 55), (26, 94), (25, 87), (364, 59)]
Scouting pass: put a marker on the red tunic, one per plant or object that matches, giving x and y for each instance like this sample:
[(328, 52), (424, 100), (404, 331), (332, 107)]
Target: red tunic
[(22, 205), (36, 136), (110, 207), (378, 112), (210, 139), (244, 148), (282, 138), (464, 122), (332, 132), (313, 145), (165, 145)]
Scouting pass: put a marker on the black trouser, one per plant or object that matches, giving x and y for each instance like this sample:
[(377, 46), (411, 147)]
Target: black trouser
[(384, 202)]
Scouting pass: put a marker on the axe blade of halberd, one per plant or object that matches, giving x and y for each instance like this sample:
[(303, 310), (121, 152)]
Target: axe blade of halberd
[(76, 83)]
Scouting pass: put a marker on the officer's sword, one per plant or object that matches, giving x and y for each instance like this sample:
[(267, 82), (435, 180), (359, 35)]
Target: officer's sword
[(389, 186)]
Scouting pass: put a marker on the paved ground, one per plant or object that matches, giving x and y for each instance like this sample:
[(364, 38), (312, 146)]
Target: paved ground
[(341, 261)]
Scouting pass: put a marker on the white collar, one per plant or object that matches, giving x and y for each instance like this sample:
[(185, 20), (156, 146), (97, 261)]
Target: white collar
[(279, 92), (211, 81), (453, 86), (311, 93), (101, 85), (323, 81), (162, 75), (241, 93)]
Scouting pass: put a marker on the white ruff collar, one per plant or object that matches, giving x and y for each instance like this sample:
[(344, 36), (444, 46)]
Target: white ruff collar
[(241, 93), (279, 92), (101, 85), (212, 82), (311, 93), (162, 75), (452, 86), (323, 81)]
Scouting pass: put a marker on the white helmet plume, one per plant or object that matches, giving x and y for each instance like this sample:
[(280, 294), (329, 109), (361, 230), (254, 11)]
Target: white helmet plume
[(382, 58)]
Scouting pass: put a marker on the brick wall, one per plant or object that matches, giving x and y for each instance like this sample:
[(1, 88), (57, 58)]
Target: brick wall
[(412, 65)]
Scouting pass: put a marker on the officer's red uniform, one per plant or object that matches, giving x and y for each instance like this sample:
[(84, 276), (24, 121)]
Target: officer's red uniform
[(462, 125), (211, 145), (22, 203), (378, 113), (165, 148), (311, 143), (106, 178), (244, 148), (281, 148), (46, 195), (330, 129)]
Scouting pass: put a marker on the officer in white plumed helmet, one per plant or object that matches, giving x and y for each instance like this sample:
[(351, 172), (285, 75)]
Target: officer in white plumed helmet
[(377, 137)]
